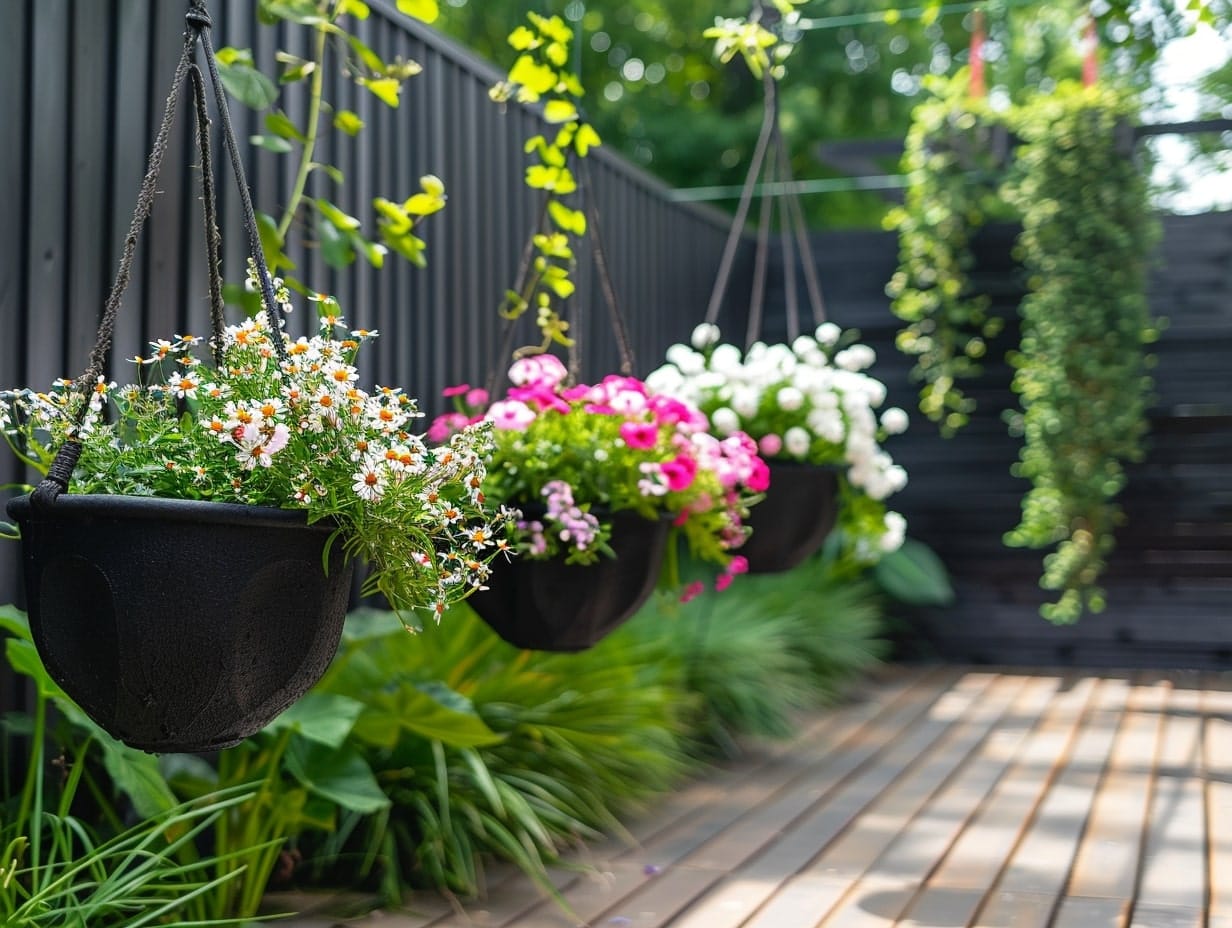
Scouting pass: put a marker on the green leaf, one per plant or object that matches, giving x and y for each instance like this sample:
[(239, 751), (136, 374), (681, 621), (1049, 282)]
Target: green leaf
[(586, 139), (535, 77), (348, 122), (14, 621), (372, 61), (356, 8), (373, 252), (392, 217), (557, 111), (234, 294), (385, 89), (300, 12), (568, 220), (424, 204), (330, 170), (325, 718), (297, 72), (340, 775), (335, 244), (914, 575), (280, 124), (271, 243), (247, 84), (431, 711), (271, 143), (426, 10), (138, 776), (336, 216)]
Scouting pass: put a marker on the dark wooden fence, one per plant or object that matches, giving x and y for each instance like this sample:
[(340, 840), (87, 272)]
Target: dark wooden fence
[(1170, 579), (82, 84)]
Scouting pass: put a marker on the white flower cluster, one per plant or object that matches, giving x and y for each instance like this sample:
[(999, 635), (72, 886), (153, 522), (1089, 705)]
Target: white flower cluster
[(807, 401)]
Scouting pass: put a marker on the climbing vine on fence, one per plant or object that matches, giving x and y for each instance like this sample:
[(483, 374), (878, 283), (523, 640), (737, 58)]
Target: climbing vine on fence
[(1082, 367)]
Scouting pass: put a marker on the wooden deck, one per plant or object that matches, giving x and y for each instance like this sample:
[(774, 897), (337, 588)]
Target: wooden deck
[(941, 797)]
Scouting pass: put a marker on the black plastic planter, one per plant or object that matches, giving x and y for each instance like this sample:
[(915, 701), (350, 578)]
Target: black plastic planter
[(180, 625), (792, 522), (553, 606)]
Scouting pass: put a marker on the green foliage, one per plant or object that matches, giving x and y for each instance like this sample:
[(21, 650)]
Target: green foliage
[(953, 174), (338, 235), (541, 74), (914, 575), (58, 867), (1081, 370)]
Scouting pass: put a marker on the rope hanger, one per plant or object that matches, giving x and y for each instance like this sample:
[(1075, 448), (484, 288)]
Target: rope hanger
[(770, 168)]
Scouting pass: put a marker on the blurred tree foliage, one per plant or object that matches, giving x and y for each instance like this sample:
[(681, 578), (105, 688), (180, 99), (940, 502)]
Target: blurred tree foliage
[(655, 91)]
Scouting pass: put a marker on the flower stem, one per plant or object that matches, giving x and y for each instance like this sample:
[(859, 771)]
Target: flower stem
[(310, 137)]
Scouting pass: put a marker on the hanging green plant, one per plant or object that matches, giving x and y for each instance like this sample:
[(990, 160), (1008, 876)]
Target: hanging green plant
[(952, 161), (1082, 367)]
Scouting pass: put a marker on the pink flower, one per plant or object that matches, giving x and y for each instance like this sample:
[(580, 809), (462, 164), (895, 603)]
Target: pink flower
[(681, 519), (679, 472), (538, 396), (759, 476), (739, 565), (511, 415), (770, 445), (541, 370), (456, 390), (723, 581), (445, 425), (692, 591), (639, 435), (477, 397), (579, 392)]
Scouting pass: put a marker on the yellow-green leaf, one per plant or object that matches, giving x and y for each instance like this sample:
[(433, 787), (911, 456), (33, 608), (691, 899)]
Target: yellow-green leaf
[(586, 139), (385, 89), (557, 53), (432, 185), (535, 77), (559, 111), (424, 204), (522, 39), (570, 220), (427, 10), (356, 8), (348, 122)]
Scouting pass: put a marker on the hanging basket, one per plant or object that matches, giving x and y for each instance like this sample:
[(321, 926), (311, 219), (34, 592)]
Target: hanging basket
[(553, 606), (792, 522), (180, 625)]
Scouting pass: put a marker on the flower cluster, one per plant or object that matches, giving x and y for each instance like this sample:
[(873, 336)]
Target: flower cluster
[(810, 402), (607, 447), (290, 433)]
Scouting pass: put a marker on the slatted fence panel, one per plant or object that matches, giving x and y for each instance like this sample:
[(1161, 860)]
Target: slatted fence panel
[(1170, 579)]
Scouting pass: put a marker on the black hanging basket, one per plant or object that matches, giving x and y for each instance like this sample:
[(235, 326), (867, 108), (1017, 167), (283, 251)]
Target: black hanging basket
[(792, 522), (553, 606), (180, 625)]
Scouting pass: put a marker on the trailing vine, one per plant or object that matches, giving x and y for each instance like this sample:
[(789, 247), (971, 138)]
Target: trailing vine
[(541, 74), (952, 168), (1081, 370)]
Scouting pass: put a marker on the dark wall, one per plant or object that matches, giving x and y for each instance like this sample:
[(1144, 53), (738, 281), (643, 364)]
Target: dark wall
[(1170, 579), (82, 84)]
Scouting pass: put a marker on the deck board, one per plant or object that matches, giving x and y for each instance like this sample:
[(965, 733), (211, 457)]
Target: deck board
[(945, 798)]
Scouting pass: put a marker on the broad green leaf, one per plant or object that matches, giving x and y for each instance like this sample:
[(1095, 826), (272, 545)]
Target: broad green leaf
[(426, 10), (248, 85), (557, 111), (348, 122), (914, 575), (326, 718), (280, 124), (432, 711), (335, 245), (234, 294), (138, 776), (14, 621), (385, 89), (271, 143), (24, 659), (271, 243)]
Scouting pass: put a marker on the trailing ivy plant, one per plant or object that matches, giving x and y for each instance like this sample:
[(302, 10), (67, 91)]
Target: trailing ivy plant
[(541, 74), (952, 167), (339, 236), (1081, 370)]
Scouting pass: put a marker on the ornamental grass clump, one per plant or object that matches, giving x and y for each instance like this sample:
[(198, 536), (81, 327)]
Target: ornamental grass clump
[(570, 456), (808, 402), (298, 433)]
